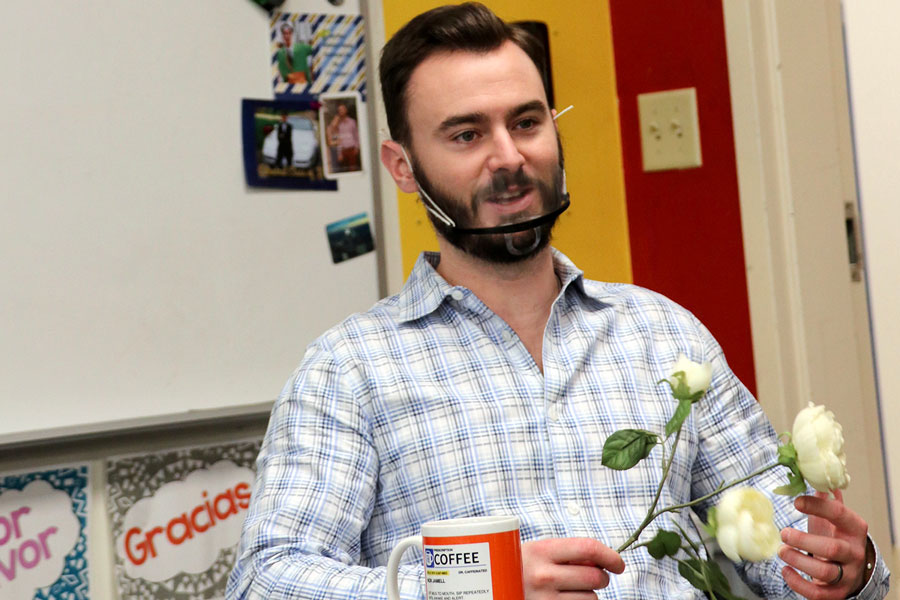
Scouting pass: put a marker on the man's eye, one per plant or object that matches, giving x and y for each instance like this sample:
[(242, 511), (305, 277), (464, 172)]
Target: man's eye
[(465, 136), (526, 124)]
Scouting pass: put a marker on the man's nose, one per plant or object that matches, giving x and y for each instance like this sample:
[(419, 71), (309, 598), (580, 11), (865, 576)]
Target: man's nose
[(504, 153)]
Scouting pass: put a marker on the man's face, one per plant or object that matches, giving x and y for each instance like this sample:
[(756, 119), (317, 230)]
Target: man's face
[(484, 146), (286, 34), (342, 110)]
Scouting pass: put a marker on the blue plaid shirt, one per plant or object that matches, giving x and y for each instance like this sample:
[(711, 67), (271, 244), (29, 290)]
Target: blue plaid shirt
[(428, 406)]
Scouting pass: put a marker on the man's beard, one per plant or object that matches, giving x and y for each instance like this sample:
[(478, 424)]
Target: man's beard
[(496, 247)]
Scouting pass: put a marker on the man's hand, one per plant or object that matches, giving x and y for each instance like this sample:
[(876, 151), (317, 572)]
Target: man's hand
[(833, 553), (567, 568)]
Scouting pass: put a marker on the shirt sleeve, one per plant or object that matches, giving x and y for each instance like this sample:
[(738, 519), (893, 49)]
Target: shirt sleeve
[(315, 489), (879, 582)]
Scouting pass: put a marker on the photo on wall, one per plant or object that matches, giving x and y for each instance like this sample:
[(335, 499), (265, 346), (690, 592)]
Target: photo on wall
[(350, 237), (317, 53), (282, 145), (339, 128)]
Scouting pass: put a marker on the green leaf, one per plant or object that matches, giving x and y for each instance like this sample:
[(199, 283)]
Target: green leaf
[(787, 455), (669, 383), (691, 570), (681, 413), (705, 575), (665, 543), (681, 391), (719, 582), (696, 396), (796, 485), (627, 447)]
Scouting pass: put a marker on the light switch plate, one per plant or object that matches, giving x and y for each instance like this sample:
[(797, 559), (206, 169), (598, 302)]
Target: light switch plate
[(670, 130)]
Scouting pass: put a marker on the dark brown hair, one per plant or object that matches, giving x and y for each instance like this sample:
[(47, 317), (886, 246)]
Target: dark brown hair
[(470, 27)]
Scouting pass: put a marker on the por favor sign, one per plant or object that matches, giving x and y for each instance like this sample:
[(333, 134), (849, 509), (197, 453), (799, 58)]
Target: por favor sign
[(41, 535), (177, 519)]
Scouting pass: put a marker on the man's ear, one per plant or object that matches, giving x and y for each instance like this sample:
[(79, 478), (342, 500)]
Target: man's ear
[(393, 160)]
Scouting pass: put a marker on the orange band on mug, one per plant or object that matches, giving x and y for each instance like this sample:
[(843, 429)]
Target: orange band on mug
[(506, 560)]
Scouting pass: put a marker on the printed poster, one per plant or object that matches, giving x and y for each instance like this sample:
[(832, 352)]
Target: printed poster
[(43, 534), (312, 54), (176, 518)]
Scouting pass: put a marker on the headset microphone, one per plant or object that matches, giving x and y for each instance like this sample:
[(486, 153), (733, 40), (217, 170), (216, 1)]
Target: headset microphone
[(516, 227)]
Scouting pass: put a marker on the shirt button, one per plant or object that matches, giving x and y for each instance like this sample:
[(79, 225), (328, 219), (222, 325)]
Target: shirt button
[(507, 336), (572, 508), (457, 295), (553, 413)]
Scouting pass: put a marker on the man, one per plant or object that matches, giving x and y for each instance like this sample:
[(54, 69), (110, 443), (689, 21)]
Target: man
[(293, 57), (343, 134), (489, 384), (285, 143)]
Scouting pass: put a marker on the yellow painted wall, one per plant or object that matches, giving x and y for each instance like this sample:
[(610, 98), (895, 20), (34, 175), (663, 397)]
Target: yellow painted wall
[(594, 231)]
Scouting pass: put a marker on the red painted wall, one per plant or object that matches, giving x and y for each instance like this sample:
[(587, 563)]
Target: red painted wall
[(685, 226)]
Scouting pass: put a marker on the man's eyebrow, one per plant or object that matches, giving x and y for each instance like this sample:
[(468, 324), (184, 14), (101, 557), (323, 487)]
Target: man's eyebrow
[(456, 120), (480, 117), (534, 105)]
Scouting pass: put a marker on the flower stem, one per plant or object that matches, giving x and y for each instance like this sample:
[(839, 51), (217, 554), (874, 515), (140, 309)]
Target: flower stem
[(650, 514), (718, 490)]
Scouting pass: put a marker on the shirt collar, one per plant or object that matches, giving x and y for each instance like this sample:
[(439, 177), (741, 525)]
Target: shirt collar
[(425, 290)]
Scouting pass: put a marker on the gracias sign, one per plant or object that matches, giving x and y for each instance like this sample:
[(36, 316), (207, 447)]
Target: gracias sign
[(38, 528), (186, 524)]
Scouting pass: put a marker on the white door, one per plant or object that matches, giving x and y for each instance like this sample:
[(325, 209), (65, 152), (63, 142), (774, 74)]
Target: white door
[(795, 169)]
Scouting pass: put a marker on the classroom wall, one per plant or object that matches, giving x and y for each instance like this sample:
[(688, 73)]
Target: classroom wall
[(128, 87), (141, 277)]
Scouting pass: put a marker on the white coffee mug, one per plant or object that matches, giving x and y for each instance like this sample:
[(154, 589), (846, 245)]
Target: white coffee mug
[(476, 558)]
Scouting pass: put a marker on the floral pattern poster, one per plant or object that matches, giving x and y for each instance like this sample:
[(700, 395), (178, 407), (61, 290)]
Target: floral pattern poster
[(176, 518), (43, 534)]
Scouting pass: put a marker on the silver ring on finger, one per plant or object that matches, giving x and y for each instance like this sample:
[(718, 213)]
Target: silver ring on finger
[(840, 574)]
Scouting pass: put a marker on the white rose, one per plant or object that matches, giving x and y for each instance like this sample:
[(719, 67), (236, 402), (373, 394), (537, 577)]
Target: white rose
[(697, 376), (745, 525), (819, 442)]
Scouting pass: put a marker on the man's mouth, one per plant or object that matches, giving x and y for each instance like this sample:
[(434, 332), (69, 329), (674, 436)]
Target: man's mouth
[(510, 196)]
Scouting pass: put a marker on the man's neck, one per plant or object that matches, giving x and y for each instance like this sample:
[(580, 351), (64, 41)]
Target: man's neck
[(519, 293)]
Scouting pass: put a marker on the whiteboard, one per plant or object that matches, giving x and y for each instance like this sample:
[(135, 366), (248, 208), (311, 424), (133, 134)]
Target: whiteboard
[(141, 280)]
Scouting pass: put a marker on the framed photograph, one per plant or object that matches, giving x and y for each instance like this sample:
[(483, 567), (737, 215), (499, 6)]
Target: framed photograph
[(282, 145), (339, 127)]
